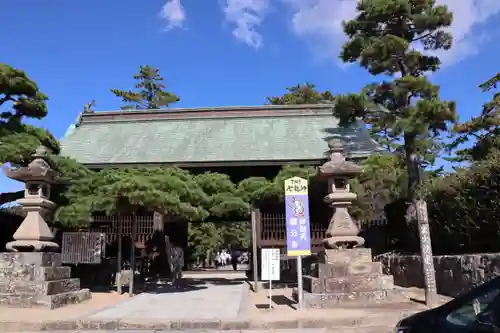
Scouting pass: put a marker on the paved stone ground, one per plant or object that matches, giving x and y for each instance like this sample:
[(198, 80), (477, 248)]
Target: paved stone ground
[(301, 330), (210, 296), (208, 303)]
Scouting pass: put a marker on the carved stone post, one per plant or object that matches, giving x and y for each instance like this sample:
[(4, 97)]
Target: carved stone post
[(431, 297)]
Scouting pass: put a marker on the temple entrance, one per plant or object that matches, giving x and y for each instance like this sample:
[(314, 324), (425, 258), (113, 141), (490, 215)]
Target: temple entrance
[(218, 246)]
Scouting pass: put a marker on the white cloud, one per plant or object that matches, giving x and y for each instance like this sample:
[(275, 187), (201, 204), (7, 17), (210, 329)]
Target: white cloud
[(246, 15), (173, 13), (322, 20)]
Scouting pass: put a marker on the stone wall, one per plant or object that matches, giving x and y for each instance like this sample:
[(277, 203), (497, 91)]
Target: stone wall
[(454, 274)]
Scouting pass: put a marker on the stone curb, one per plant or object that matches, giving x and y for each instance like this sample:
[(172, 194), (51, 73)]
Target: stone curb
[(241, 324)]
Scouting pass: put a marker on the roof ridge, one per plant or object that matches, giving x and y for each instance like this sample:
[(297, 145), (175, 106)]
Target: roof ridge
[(205, 113)]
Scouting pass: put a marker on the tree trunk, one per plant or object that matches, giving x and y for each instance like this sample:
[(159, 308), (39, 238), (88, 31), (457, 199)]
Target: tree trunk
[(412, 167), (412, 242)]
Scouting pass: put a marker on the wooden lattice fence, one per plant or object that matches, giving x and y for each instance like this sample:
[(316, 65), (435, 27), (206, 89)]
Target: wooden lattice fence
[(272, 230), (113, 226)]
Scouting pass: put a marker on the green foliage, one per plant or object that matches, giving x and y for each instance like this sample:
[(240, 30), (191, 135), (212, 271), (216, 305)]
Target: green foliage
[(214, 236), (223, 195), (238, 234), (302, 94), (483, 129), (151, 93), (20, 98), (170, 191), (405, 113), (203, 237), (464, 208), (382, 179), (254, 189)]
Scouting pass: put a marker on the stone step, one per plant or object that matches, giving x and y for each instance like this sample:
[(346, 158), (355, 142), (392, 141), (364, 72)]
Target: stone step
[(359, 283), (22, 260), (360, 299), (47, 301), (367, 282), (347, 269), (354, 256), (42, 288), (34, 273)]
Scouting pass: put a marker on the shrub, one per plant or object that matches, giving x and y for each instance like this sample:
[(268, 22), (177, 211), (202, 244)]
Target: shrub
[(464, 209)]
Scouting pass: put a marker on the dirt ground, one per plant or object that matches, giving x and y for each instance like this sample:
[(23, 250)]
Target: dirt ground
[(284, 307), (99, 301)]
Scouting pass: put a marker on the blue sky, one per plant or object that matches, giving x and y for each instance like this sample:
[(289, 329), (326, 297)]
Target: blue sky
[(214, 53)]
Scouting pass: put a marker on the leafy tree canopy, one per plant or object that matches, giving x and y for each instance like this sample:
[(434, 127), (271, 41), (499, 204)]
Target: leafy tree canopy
[(464, 207), (170, 191), (150, 94), (302, 94), (406, 113), (483, 129), (20, 99)]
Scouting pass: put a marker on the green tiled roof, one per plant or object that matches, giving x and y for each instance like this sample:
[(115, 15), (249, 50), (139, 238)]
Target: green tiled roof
[(211, 136)]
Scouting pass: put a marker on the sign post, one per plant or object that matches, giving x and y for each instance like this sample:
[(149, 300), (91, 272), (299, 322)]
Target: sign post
[(255, 261), (426, 252), (298, 234), (270, 268)]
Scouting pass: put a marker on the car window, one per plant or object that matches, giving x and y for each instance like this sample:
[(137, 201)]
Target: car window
[(466, 314)]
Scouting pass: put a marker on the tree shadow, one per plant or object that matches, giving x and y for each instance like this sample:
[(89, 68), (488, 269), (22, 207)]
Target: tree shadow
[(283, 300), (354, 138), (187, 285), (214, 281), (277, 300), (170, 289)]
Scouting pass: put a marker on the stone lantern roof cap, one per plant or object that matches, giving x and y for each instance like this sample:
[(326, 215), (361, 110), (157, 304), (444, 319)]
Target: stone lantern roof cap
[(337, 165), (38, 170)]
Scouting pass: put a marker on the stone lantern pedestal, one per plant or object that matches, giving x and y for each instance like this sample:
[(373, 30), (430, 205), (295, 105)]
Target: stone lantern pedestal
[(345, 274), (32, 274)]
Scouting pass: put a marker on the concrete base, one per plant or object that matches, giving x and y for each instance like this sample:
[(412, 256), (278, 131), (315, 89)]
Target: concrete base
[(37, 279), (348, 277)]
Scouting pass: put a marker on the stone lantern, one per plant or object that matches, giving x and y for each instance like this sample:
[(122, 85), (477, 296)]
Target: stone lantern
[(342, 232), (345, 273), (31, 274), (34, 234)]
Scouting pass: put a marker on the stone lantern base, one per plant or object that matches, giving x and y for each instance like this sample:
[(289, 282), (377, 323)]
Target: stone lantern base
[(37, 279), (348, 277)]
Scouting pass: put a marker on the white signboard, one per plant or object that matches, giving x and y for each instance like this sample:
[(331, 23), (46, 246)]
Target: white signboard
[(270, 264)]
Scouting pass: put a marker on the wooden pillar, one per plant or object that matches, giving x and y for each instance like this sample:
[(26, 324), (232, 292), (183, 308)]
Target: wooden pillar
[(132, 255), (119, 257), (255, 247)]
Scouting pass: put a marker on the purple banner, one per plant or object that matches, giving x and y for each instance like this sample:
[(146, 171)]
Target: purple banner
[(298, 234)]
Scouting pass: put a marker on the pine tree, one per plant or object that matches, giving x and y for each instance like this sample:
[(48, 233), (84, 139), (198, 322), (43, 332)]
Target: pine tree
[(20, 99), (484, 129), (395, 38), (302, 94), (150, 94)]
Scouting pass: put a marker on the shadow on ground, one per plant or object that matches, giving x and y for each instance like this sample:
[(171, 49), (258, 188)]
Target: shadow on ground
[(278, 300), (188, 284), (165, 285)]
